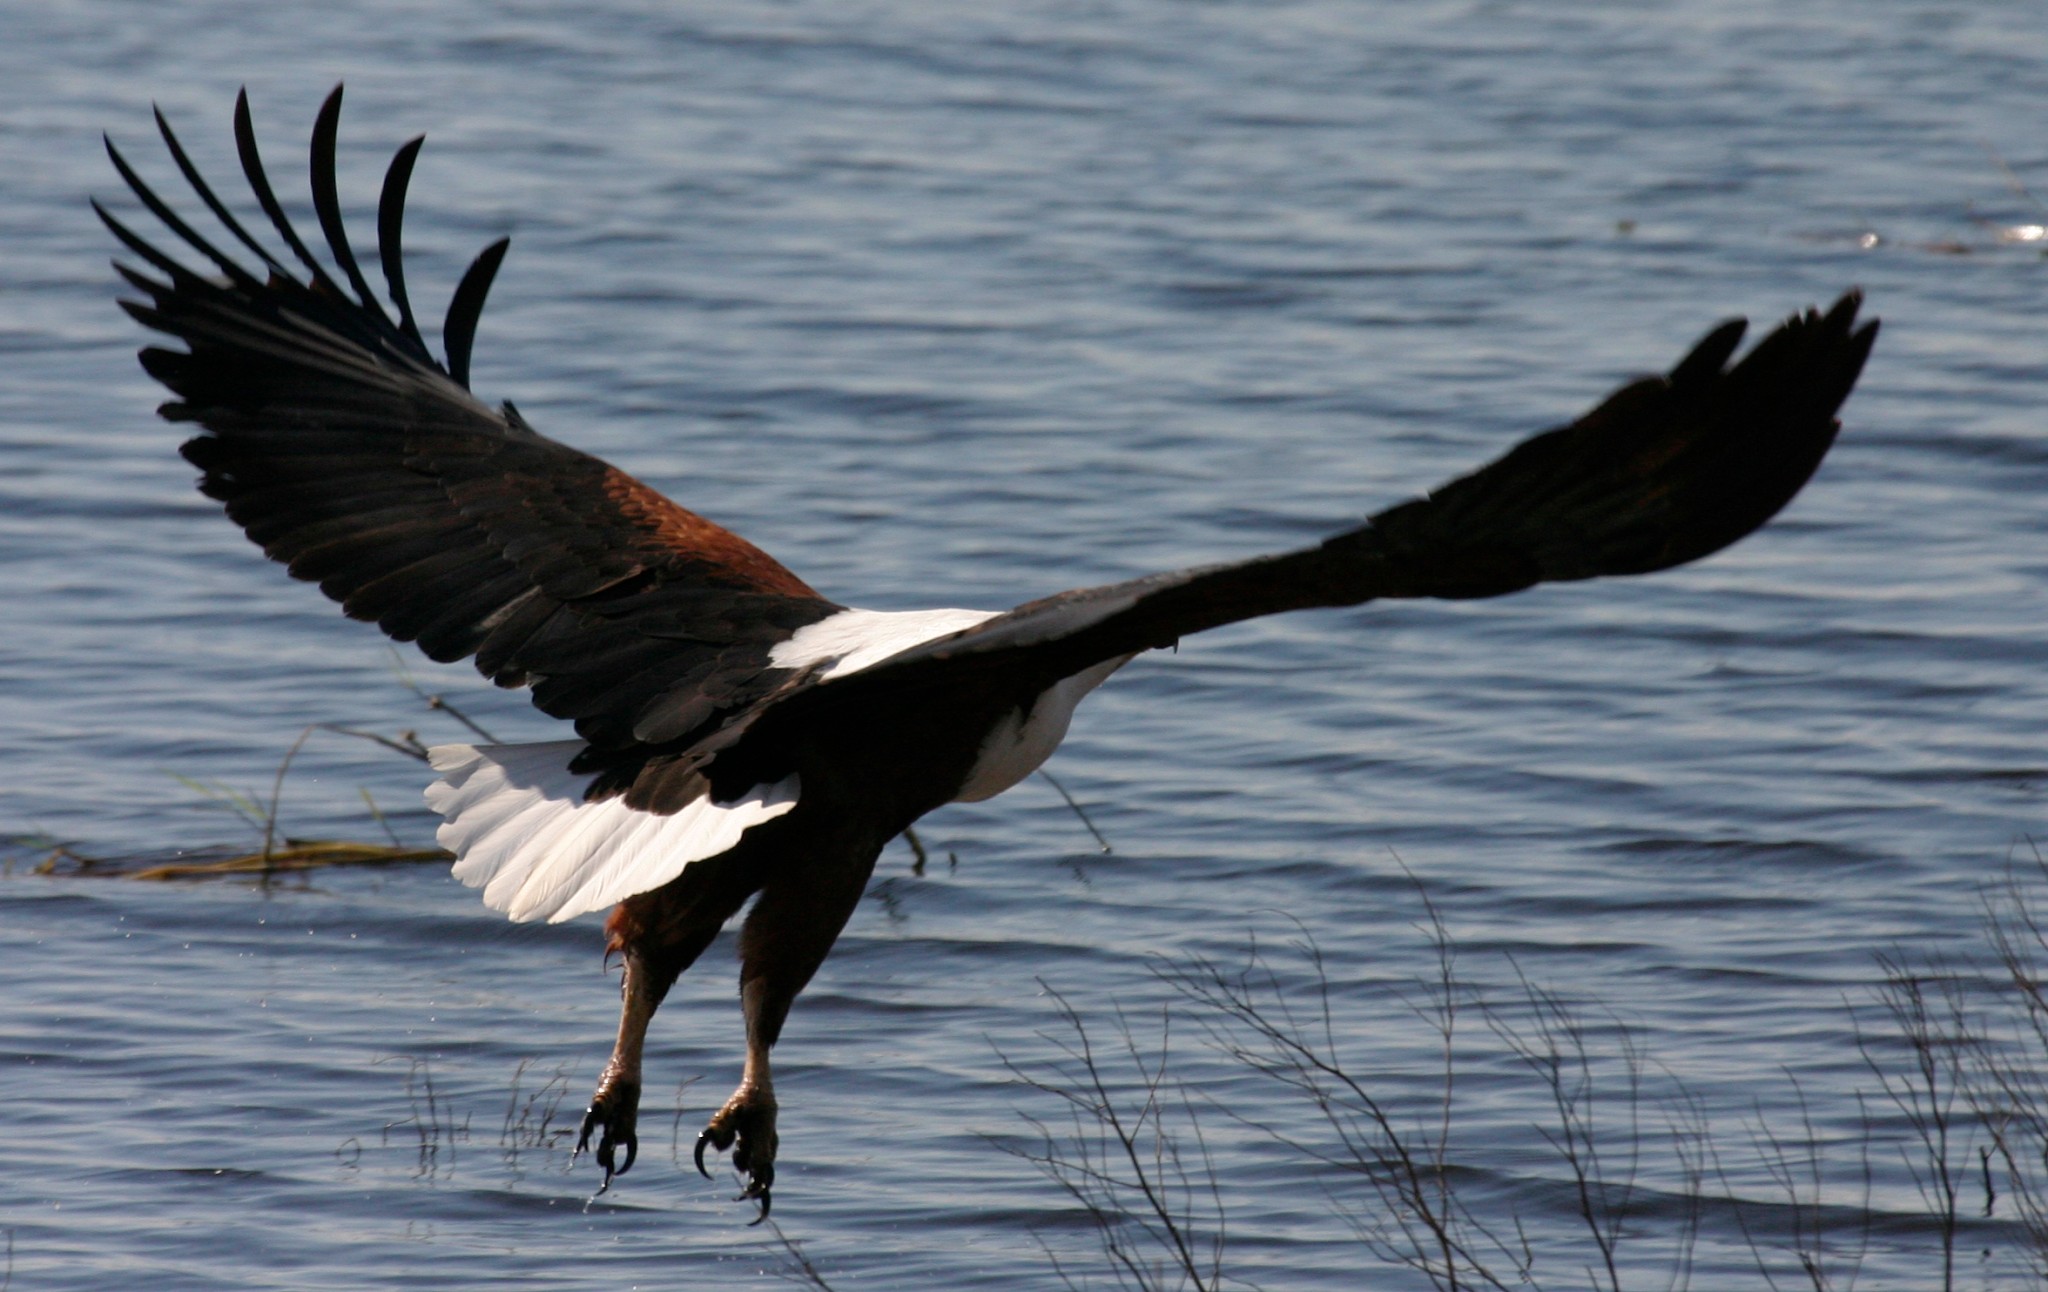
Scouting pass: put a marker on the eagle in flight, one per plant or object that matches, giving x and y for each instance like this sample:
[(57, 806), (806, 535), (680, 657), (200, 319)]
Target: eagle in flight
[(737, 732)]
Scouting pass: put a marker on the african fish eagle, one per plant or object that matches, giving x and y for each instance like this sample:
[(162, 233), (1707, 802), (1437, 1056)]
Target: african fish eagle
[(737, 733)]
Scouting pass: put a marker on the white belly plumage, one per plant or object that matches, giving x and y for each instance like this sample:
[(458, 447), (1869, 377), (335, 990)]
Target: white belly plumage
[(1023, 741), (856, 639)]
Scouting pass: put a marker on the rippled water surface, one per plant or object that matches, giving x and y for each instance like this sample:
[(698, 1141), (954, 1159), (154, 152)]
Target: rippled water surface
[(960, 305)]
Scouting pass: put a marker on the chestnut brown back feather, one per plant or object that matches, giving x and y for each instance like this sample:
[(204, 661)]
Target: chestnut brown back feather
[(681, 530)]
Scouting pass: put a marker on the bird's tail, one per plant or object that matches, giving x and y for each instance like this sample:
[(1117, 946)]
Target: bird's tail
[(523, 830)]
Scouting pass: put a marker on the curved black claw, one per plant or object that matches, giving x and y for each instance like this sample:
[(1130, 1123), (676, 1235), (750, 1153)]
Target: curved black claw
[(759, 1191), (746, 1125), (616, 1112), (759, 1168)]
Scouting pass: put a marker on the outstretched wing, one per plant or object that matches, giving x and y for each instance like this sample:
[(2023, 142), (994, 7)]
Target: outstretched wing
[(347, 452), (1666, 470)]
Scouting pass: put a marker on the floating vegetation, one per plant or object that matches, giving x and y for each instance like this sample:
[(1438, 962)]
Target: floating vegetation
[(275, 853), (213, 863)]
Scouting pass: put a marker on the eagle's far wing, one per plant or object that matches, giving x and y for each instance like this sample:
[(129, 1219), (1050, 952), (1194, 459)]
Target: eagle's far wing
[(344, 450), (1664, 471)]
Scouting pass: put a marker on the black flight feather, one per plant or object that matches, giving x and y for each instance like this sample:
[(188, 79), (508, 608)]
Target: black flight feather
[(206, 193), (171, 220), (467, 305), (327, 203), (259, 184), (390, 236)]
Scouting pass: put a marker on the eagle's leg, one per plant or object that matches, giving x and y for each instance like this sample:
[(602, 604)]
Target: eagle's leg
[(657, 935), (785, 939), (614, 1108), (746, 1124)]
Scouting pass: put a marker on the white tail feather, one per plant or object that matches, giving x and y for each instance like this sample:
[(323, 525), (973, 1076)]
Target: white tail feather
[(517, 822)]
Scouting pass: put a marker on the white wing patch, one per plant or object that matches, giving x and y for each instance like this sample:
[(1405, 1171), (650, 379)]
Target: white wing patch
[(854, 639), (516, 820)]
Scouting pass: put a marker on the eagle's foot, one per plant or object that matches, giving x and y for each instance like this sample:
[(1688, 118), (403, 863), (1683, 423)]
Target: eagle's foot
[(614, 1111), (746, 1125)]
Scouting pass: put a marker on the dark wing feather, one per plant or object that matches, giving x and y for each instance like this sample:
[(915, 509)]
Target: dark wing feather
[(390, 234), (342, 449), (327, 200), (458, 331), (1664, 471)]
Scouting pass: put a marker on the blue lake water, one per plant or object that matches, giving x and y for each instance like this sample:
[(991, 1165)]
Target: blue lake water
[(961, 305)]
